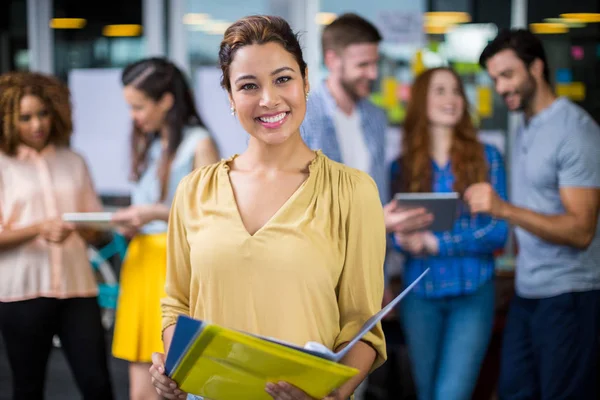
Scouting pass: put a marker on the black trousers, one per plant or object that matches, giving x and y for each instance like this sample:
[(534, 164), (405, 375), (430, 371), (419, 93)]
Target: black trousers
[(550, 348), (28, 328)]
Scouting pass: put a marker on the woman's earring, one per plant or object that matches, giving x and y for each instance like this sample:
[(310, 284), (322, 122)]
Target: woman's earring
[(307, 93), (232, 108)]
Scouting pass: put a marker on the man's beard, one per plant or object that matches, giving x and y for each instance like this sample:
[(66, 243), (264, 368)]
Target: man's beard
[(349, 86), (350, 91), (526, 92)]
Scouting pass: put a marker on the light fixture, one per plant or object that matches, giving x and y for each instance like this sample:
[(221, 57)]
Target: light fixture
[(438, 22), (446, 17), (212, 27), (434, 29), (547, 28), (583, 17), (123, 30), (67, 23), (325, 18), (569, 22), (195, 18)]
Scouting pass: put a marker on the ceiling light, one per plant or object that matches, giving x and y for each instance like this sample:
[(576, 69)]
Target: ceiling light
[(124, 30), (446, 17), (583, 17), (195, 18), (569, 22), (546, 28), (212, 27), (434, 29), (67, 23)]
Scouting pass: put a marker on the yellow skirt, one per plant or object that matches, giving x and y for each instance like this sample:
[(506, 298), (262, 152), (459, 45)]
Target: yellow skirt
[(142, 284)]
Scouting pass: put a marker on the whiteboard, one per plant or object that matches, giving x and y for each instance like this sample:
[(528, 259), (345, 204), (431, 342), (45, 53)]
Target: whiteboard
[(213, 105), (102, 128)]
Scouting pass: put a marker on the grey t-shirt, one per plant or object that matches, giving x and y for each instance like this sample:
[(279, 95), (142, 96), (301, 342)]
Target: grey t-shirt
[(560, 147)]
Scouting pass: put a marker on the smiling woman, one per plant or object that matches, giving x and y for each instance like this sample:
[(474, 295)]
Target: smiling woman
[(271, 105), (441, 153), (279, 241)]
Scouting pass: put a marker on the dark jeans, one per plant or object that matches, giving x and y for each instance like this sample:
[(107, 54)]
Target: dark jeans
[(550, 348), (28, 327)]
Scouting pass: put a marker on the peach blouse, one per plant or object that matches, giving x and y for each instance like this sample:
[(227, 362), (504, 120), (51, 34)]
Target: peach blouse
[(35, 187)]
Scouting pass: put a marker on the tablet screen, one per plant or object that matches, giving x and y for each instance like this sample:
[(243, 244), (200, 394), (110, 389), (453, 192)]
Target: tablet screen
[(443, 207)]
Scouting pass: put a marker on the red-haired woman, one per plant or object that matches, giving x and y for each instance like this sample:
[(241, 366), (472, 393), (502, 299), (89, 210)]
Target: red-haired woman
[(448, 317)]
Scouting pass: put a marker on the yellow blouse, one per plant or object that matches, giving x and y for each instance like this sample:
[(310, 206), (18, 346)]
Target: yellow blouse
[(313, 272)]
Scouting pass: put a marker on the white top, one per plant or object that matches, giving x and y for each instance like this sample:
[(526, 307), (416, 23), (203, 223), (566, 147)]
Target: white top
[(147, 189), (351, 140)]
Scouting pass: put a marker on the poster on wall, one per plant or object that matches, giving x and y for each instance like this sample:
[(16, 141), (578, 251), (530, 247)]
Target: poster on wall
[(401, 27)]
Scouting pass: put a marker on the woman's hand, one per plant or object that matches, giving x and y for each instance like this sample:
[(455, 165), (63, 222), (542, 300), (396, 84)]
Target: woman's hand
[(403, 220), (285, 391), (411, 242), (56, 230), (134, 217), (418, 243), (131, 219), (165, 386), (431, 243)]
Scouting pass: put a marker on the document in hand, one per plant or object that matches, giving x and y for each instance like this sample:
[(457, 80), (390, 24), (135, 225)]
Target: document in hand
[(224, 364), (94, 220)]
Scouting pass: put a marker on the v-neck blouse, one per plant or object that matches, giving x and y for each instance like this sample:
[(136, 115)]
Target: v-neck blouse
[(313, 272)]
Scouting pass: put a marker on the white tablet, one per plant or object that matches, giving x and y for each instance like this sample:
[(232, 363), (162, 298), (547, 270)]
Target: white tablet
[(443, 207), (96, 220)]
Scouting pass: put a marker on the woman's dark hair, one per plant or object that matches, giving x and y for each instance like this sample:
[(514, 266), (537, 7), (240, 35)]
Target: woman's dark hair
[(257, 29), (156, 77)]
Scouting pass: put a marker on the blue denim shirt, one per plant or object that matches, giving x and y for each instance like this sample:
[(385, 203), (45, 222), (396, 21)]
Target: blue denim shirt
[(465, 260), (318, 131)]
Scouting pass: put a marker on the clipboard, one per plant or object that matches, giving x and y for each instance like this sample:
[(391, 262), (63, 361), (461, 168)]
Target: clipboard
[(224, 364)]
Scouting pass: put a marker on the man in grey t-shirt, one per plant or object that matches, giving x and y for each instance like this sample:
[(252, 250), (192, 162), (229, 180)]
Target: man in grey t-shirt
[(550, 348)]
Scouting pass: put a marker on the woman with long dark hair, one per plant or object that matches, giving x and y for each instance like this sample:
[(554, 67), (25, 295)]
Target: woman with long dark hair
[(168, 141), (448, 316)]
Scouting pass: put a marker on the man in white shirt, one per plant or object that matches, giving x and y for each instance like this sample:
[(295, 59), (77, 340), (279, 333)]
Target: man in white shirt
[(343, 123)]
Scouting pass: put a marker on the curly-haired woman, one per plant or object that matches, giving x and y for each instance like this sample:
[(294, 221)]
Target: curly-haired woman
[(47, 286)]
